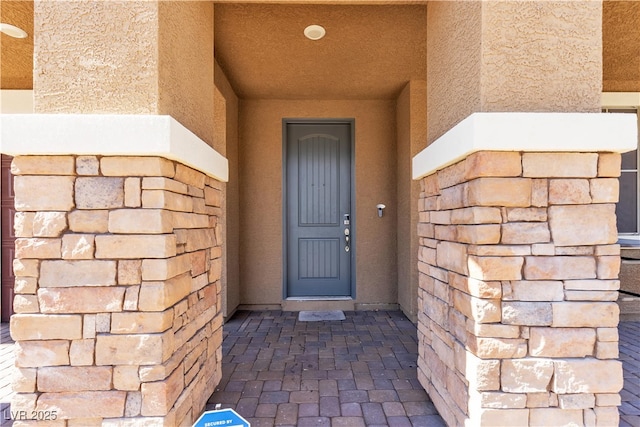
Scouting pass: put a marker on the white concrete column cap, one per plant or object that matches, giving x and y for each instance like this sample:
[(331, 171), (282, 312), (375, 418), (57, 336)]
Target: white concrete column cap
[(529, 132), (109, 135)]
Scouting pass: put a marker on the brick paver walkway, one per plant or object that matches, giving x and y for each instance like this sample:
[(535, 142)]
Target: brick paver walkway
[(630, 356), (7, 361), (357, 372), (278, 354)]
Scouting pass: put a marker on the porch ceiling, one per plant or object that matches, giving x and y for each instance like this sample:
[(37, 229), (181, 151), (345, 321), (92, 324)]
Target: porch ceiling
[(369, 52), (16, 55), (621, 52)]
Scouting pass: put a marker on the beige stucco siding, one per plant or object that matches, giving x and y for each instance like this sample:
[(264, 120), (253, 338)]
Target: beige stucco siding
[(511, 56), (411, 119), (232, 196), (261, 234), (126, 57), (454, 37), (62, 83), (541, 56), (185, 66)]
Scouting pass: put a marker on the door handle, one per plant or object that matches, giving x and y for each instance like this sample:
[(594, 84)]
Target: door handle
[(347, 240)]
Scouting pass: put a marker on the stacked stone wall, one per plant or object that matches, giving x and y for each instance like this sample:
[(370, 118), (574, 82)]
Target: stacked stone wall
[(118, 294), (518, 281)]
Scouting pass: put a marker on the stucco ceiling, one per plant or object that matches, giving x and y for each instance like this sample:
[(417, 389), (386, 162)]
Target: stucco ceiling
[(369, 52), (621, 46), (16, 55)]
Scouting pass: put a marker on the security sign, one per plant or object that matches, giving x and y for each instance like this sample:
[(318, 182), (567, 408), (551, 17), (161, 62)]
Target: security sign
[(221, 418)]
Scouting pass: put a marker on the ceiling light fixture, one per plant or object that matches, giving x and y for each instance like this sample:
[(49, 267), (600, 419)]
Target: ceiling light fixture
[(12, 31), (314, 32)]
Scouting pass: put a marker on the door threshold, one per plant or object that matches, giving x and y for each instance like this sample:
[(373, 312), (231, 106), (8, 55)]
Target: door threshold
[(318, 304)]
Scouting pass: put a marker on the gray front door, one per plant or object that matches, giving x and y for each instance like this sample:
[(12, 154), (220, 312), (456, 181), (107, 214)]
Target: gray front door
[(319, 218)]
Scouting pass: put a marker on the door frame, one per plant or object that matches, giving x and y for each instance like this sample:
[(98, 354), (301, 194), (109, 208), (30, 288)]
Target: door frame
[(353, 232)]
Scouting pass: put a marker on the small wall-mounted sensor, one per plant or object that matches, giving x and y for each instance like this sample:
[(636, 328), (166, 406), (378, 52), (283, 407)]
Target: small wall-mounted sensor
[(380, 209)]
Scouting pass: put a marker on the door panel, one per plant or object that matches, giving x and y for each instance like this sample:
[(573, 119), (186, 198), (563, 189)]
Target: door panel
[(7, 247), (318, 198), (319, 258)]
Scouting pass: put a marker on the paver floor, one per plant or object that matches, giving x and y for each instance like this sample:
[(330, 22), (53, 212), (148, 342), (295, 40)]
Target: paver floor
[(278, 371), (7, 361), (630, 356), (273, 355)]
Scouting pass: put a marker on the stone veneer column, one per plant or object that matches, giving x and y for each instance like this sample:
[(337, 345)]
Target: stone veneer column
[(518, 275), (118, 312)]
